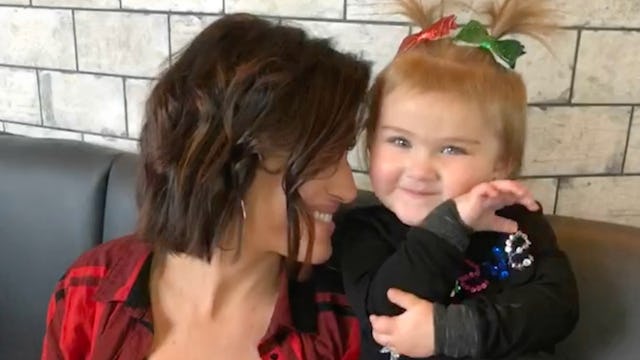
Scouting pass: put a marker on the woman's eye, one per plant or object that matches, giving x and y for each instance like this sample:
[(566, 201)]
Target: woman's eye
[(453, 150), (400, 142)]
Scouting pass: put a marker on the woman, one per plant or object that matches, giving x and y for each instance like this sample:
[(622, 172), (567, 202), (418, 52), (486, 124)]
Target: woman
[(243, 164)]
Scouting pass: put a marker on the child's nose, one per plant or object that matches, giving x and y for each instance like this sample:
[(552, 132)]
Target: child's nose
[(422, 167)]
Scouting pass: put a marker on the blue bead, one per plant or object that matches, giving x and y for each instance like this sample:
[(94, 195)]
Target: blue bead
[(504, 274), (496, 250)]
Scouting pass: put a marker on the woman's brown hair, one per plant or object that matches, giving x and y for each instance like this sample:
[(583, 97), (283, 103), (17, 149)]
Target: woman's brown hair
[(469, 72), (243, 88)]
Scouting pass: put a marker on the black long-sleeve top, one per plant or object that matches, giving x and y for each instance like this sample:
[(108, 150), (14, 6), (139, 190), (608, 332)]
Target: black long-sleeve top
[(530, 311)]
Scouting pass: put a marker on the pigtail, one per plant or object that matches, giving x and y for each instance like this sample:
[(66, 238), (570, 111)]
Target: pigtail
[(420, 13), (424, 14), (529, 17)]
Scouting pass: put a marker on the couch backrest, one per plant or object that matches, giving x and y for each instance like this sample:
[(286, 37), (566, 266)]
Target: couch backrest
[(52, 201), (606, 261), (59, 198), (120, 205)]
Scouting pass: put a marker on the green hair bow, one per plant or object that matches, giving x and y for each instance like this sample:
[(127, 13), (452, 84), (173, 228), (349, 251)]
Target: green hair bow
[(505, 51)]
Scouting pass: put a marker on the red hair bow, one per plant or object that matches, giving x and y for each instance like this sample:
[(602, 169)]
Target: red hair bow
[(438, 30)]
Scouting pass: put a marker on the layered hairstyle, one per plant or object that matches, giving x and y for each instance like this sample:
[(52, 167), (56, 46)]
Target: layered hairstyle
[(244, 88), (471, 72)]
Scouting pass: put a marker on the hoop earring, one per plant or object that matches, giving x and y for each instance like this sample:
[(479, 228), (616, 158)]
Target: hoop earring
[(244, 210)]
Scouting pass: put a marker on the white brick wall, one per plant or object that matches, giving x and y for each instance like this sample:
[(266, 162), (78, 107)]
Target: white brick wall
[(632, 164), (81, 69), (548, 74), (19, 95), (95, 4), (562, 140), (122, 43), (175, 5), (600, 13), (137, 91), (608, 68), (37, 37), (604, 198), (185, 27), (83, 102), (332, 9), (376, 42)]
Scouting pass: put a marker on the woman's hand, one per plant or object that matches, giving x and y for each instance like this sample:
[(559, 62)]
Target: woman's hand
[(477, 207), (410, 333)]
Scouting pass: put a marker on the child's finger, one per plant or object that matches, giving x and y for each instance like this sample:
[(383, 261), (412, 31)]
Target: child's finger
[(523, 195), (382, 339), (401, 298), (511, 192), (487, 190), (511, 186), (530, 203), (382, 324), (500, 201)]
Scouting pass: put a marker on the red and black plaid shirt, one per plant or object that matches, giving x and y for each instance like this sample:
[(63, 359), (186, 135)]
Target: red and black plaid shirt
[(100, 310)]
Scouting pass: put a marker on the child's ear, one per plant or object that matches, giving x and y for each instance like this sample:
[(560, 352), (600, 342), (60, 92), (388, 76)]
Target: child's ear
[(502, 169)]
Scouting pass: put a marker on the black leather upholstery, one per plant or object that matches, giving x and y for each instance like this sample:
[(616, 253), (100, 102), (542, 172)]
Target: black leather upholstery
[(606, 260), (52, 196), (120, 205), (58, 198)]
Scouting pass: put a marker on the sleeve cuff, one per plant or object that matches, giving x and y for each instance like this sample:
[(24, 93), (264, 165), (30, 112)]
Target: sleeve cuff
[(456, 331), (445, 222)]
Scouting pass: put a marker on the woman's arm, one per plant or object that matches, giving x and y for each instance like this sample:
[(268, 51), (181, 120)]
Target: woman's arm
[(69, 323)]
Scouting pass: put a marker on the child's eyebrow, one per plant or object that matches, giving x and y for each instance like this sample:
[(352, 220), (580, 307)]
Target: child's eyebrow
[(452, 139), (396, 129), (461, 140)]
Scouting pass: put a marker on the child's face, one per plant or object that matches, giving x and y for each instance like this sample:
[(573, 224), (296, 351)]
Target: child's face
[(430, 147)]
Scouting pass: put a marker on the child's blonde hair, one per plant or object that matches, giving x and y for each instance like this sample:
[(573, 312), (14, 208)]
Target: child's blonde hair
[(470, 72)]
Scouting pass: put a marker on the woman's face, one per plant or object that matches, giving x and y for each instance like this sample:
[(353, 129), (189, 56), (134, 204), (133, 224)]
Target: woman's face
[(266, 215)]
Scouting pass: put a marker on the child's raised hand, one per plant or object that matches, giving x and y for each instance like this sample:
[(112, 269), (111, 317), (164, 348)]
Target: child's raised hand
[(477, 207), (410, 333)]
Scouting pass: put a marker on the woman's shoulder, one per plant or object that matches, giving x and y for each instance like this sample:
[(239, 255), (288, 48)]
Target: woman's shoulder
[(112, 262), (109, 253), (336, 321), (328, 279)]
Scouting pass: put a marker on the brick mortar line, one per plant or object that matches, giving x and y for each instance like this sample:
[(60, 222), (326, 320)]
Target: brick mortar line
[(81, 72), (68, 130), (626, 145), (575, 66), (556, 196), (39, 97), (75, 39), (138, 77), (301, 18), (126, 107)]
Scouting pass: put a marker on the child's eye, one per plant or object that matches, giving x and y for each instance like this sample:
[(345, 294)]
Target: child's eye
[(453, 150), (400, 142)]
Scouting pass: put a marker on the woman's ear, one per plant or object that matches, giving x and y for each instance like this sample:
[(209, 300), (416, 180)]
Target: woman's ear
[(272, 163)]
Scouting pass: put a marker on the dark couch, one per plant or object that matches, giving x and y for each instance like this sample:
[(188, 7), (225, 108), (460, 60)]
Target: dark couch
[(59, 198)]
